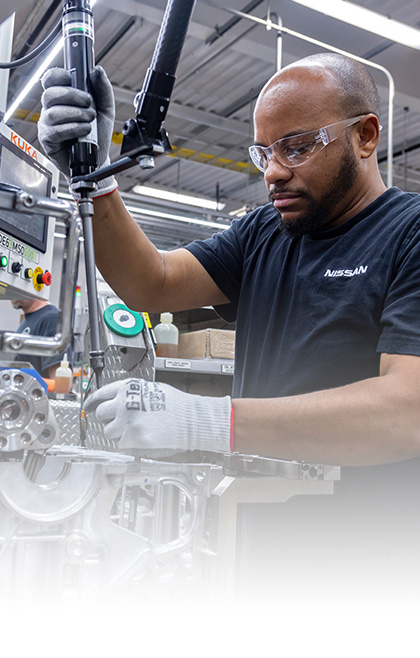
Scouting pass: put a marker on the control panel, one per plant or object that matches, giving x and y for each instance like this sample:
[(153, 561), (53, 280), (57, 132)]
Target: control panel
[(26, 240)]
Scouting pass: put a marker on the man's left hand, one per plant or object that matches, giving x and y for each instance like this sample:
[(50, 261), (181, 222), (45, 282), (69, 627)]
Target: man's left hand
[(161, 420)]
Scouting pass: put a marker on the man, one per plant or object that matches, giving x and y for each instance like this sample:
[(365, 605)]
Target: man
[(322, 280), (40, 320), (324, 284)]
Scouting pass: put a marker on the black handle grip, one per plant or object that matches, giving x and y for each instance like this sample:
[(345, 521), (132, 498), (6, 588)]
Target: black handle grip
[(78, 33)]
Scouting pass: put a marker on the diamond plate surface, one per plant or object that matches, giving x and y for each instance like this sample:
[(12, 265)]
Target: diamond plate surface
[(67, 415)]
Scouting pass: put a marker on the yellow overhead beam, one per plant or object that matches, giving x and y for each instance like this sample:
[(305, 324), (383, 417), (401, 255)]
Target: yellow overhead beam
[(177, 152)]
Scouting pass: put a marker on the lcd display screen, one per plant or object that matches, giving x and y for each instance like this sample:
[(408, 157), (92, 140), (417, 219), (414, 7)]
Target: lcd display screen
[(19, 169)]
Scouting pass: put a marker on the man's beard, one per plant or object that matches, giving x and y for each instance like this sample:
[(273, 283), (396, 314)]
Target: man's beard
[(320, 212)]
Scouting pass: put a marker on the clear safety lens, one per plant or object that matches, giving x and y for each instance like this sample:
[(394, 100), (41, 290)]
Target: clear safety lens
[(297, 149)]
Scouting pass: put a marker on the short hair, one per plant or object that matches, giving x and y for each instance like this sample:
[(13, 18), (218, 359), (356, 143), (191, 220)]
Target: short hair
[(358, 92)]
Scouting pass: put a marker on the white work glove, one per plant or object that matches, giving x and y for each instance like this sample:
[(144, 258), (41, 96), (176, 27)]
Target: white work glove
[(160, 420), (66, 115)]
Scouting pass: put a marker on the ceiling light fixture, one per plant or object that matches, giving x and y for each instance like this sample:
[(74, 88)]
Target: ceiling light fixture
[(178, 218), (36, 76), (198, 202), (239, 211), (366, 19), (33, 80), (135, 210)]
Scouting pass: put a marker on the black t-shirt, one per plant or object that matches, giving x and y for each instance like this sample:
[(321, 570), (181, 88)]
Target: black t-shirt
[(316, 312), (42, 322)]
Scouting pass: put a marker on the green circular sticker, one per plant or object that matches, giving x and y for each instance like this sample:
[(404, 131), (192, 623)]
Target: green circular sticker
[(122, 321)]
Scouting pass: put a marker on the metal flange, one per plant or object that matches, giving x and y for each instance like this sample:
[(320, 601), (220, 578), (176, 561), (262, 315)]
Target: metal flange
[(25, 418)]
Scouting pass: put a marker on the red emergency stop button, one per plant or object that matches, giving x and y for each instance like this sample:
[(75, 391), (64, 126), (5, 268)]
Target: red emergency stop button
[(45, 278)]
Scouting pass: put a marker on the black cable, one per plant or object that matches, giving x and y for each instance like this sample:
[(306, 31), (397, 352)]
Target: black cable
[(37, 51), (38, 29)]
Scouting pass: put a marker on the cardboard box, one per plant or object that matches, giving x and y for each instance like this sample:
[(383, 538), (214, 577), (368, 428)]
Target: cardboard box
[(207, 344)]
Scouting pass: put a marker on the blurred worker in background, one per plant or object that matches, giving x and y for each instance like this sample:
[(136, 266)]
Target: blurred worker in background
[(324, 284), (40, 319)]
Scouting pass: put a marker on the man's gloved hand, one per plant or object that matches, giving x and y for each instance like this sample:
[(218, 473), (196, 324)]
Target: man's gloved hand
[(66, 115), (161, 420)]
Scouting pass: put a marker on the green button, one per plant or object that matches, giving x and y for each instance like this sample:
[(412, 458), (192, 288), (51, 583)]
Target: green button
[(3, 261), (123, 321)]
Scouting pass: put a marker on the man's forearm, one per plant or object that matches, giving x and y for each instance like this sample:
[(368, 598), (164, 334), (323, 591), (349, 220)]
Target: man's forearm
[(145, 279), (370, 422), (128, 261)]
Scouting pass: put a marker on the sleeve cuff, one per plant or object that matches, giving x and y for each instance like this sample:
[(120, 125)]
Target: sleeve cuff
[(109, 186)]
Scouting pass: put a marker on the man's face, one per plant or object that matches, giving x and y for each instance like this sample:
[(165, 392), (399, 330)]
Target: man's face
[(319, 193), (23, 304), (318, 212)]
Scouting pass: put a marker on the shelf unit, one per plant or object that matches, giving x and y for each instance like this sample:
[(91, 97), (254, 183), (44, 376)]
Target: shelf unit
[(196, 366)]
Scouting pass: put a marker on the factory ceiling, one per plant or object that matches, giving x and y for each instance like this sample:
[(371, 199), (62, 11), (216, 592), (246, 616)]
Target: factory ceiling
[(225, 61)]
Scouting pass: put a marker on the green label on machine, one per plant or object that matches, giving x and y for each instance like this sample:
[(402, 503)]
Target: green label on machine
[(7, 242)]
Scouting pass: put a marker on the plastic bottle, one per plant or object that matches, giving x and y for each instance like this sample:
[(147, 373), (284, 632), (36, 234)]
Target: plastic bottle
[(166, 337), (63, 377)]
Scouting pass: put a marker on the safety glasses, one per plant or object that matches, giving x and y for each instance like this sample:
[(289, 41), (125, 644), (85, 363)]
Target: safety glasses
[(296, 150)]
